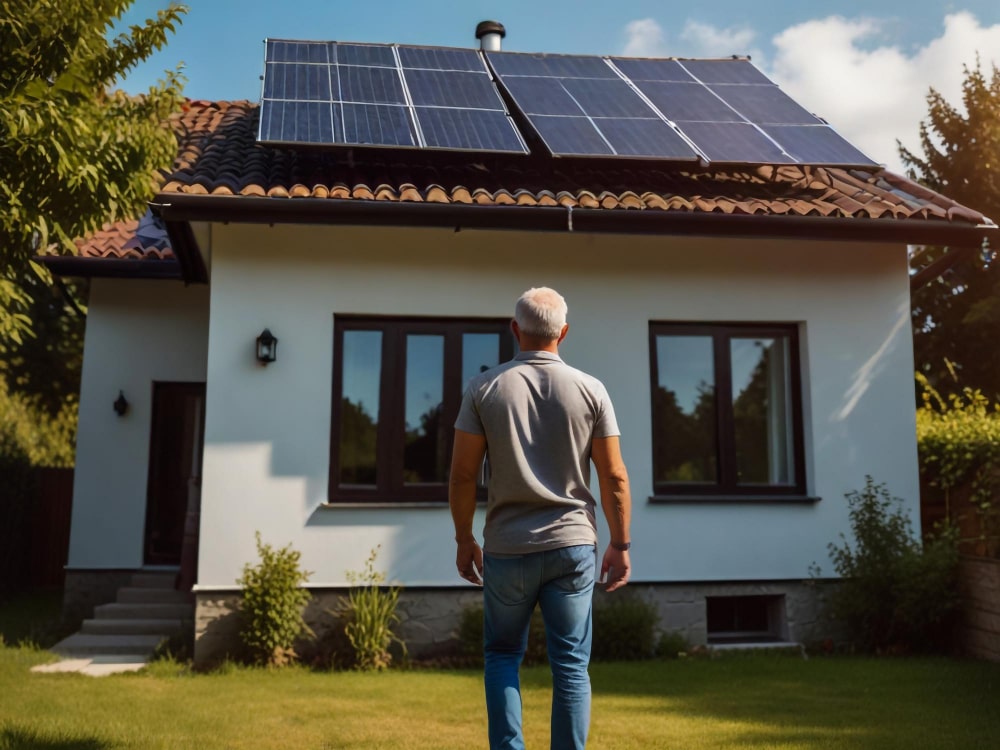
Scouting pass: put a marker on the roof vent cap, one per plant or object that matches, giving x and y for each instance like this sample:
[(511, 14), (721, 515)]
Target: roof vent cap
[(489, 34)]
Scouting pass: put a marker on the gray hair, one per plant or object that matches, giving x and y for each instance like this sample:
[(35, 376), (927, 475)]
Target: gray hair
[(541, 312)]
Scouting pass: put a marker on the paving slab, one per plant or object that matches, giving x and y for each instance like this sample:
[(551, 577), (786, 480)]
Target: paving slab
[(99, 665)]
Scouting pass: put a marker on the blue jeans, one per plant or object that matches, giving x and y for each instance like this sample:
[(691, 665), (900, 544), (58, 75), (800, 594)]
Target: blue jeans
[(561, 582)]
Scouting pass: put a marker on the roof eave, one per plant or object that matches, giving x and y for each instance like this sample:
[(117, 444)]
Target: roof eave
[(179, 208), (112, 268)]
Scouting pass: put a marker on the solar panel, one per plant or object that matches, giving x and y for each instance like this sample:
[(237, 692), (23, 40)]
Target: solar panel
[(334, 93), (722, 111), (581, 106)]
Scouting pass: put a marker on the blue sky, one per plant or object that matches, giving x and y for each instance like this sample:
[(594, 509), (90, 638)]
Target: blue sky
[(864, 66)]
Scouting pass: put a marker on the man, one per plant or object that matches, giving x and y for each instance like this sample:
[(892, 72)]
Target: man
[(541, 423)]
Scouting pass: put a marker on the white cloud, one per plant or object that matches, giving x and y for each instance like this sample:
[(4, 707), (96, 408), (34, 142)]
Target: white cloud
[(705, 40), (873, 95), (644, 38)]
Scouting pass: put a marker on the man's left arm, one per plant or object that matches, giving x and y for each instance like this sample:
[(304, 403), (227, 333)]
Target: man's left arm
[(466, 461)]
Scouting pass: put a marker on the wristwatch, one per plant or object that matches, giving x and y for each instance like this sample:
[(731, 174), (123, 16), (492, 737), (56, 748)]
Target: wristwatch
[(622, 546)]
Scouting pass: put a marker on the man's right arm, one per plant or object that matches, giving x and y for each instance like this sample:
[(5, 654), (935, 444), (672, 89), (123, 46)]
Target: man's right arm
[(616, 501)]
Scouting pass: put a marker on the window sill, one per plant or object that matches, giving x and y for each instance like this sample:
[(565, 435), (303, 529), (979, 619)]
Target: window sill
[(394, 504), (733, 500)]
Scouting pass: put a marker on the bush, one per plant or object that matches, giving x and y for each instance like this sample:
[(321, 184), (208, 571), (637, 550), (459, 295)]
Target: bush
[(369, 615), (624, 628), (897, 595), (672, 645), (273, 601)]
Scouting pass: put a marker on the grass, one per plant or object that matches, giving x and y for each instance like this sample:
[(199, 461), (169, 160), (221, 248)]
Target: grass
[(740, 701)]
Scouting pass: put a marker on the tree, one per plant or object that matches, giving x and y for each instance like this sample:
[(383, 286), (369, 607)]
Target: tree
[(956, 318), (74, 152)]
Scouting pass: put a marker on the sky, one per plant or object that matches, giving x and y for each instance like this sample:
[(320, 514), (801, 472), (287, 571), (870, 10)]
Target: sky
[(865, 67)]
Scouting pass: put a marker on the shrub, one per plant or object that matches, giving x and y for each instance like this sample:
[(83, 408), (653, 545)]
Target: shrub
[(369, 616), (672, 645), (897, 595), (624, 628), (273, 601)]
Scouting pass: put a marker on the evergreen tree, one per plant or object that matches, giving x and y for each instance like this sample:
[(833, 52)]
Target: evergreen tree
[(956, 317)]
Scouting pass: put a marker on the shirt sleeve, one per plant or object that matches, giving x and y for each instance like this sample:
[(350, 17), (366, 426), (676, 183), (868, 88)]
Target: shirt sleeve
[(606, 424), (468, 416)]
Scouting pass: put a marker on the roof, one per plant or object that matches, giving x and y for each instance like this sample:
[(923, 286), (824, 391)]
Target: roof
[(221, 173)]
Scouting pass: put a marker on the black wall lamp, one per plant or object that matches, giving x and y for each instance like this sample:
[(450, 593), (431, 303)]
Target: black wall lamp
[(267, 347), (120, 405)]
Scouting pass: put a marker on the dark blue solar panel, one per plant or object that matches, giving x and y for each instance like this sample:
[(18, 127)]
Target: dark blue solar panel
[(369, 85), (299, 82), (724, 71), (651, 70), (765, 104), (734, 142), (279, 51), (556, 66), (571, 136), (298, 122), (816, 144), (367, 55), (377, 125), (687, 101), (439, 88), (652, 139), (606, 98), (469, 129), (542, 96), (440, 58)]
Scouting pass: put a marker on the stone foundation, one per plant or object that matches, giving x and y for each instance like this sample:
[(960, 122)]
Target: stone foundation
[(430, 618)]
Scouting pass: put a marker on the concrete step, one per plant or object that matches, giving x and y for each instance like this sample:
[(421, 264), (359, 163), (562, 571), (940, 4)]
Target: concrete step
[(133, 627), (81, 644), (141, 595), (133, 611), (155, 579)]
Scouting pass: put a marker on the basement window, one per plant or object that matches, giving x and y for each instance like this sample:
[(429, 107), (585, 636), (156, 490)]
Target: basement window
[(745, 619)]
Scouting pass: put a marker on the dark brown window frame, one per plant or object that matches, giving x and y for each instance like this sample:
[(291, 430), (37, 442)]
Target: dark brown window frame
[(727, 487), (390, 487)]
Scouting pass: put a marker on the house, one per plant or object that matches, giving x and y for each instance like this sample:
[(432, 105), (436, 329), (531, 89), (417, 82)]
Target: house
[(750, 319)]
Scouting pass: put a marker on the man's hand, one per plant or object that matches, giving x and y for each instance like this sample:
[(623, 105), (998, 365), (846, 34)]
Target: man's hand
[(469, 560), (617, 567)]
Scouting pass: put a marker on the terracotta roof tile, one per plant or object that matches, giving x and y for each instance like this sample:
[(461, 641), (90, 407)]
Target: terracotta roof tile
[(218, 155)]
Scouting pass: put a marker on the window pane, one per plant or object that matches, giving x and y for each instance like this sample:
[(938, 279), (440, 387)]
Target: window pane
[(362, 369), (480, 352), (424, 450), (684, 414), (762, 412)]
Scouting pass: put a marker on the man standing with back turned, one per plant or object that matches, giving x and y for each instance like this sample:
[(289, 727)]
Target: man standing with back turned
[(541, 422)]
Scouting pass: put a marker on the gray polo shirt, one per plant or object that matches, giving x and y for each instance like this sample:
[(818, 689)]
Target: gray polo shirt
[(539, 416)]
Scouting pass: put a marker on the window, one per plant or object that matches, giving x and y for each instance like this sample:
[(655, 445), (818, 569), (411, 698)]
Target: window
[(397, 387), (726, 403)]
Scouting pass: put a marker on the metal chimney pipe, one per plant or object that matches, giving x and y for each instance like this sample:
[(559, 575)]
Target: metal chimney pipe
[(489, 34)]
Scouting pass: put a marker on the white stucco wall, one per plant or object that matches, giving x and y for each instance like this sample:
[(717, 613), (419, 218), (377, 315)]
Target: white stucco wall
[(138, 332), (268, 428)]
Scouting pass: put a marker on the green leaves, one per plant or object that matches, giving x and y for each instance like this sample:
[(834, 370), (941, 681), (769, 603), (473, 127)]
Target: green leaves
[(74, 153), (369, 616), (273, 601)]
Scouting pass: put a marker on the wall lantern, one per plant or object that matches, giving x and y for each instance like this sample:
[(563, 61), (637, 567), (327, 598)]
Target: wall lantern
[(120, 405), (267, 347)]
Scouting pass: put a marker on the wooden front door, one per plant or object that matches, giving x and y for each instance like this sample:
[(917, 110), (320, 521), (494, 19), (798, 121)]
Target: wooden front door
[(174, 468)]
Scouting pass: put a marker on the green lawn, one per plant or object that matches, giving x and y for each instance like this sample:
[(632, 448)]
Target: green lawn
[(743, 701)]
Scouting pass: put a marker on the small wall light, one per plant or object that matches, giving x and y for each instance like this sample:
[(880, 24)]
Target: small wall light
[(120, 405), (267, 347)]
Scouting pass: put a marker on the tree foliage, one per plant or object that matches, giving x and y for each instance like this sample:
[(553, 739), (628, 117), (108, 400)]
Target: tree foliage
[(74, 152), (956, 318)]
